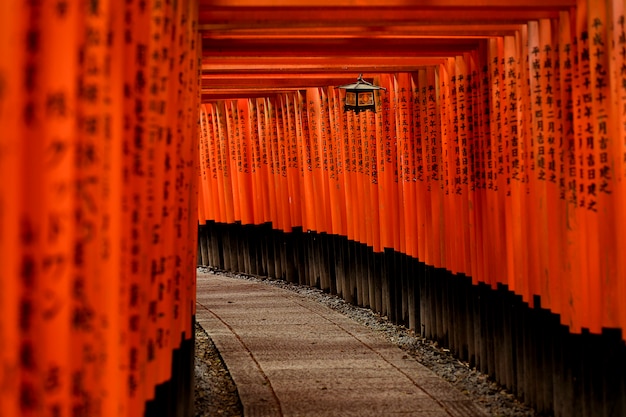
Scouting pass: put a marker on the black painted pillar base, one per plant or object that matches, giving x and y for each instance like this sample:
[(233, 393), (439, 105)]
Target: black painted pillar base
[(525, 349), (175, 397)]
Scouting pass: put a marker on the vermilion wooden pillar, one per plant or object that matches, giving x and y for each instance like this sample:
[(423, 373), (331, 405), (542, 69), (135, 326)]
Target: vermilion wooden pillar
[(98, 146)]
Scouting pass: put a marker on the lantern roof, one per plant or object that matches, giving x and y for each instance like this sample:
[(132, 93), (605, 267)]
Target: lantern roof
[(361, 84)]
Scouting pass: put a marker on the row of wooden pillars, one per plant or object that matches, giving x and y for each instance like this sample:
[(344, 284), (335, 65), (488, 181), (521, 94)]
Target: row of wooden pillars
[(525, 349)]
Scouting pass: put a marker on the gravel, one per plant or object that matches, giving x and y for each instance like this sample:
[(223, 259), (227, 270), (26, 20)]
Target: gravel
[(215, 391), (216, 394)]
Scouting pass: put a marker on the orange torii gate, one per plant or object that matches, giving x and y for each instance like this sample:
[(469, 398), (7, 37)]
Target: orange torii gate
[(481, 205), (98, 160), (496, 154)]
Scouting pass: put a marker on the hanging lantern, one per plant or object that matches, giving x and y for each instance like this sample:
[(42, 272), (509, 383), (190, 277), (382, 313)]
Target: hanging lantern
[(360, 95)]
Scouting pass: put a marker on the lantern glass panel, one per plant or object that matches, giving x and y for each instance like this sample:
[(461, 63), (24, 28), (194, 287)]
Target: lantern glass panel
[(350, 98), (366, 98)]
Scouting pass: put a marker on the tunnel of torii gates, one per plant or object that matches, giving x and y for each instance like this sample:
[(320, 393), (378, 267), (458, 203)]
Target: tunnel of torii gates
[(482, 204)]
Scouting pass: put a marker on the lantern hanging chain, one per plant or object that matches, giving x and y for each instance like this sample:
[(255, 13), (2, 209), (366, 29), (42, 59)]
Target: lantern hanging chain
[(360, 80)]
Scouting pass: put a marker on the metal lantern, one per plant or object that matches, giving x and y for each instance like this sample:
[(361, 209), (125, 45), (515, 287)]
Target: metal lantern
[(360, 95)]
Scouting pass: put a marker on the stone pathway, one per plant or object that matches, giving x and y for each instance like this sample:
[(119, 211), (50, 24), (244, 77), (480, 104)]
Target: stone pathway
[(290, 356)]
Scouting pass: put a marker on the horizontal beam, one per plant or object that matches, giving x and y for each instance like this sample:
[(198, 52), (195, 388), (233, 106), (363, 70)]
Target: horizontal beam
[(387, 3), (230, 81), (372, 31), (215, 95), (339, 47), (316, 17), (276, 65)]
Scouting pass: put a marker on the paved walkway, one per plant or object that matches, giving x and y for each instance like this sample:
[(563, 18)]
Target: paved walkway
[(291, 356)]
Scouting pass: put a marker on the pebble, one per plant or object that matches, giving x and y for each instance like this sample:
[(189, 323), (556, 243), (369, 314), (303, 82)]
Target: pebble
[(215, 391)]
